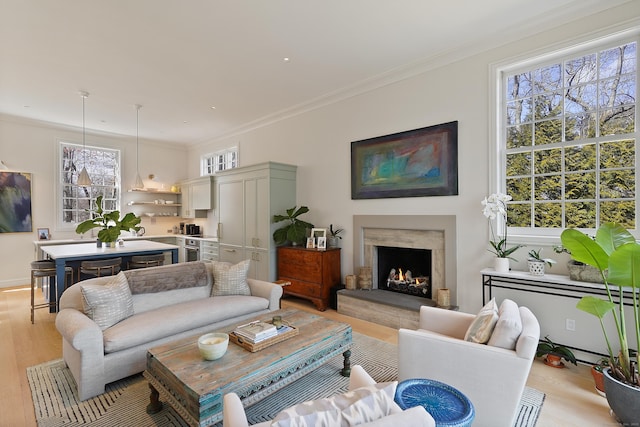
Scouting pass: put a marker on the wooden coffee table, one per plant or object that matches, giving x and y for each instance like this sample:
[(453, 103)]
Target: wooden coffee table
[(195, 387)]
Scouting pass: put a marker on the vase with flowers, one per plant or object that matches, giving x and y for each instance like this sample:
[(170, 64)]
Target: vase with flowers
[(495, 209)]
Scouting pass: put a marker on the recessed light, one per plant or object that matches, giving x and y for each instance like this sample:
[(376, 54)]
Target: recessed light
[(286, 59), (185, 122), (213, 108)]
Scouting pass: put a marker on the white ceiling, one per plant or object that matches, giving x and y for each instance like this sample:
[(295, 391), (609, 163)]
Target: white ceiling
[(180, 58)]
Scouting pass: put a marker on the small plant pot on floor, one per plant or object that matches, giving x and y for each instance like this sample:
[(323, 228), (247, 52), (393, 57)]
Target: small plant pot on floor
[(554, 361), (598, 379)]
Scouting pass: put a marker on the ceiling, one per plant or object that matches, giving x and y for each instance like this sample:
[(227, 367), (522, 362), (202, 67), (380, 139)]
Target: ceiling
[(178, 59)]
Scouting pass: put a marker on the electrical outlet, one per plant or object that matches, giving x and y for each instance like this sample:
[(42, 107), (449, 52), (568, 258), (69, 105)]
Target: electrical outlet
[(570, 324)]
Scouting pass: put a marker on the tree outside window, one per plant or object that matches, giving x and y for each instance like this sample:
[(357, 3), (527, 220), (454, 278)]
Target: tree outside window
[(570, 141), (103, 166)]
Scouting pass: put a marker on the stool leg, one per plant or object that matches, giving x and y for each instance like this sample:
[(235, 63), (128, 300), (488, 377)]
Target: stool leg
[(32, 296)]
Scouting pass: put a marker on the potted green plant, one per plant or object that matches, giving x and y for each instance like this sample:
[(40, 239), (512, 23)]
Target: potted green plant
[(334, 236), (110, 223), (554, 353), (615, 251), (295, 230), (598, 375), (537, 263)]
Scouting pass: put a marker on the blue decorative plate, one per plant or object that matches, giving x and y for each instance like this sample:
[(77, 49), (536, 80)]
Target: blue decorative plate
[(448, 406)]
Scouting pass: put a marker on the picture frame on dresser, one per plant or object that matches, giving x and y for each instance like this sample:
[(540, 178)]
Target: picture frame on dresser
[(321, 243), (311, 243)]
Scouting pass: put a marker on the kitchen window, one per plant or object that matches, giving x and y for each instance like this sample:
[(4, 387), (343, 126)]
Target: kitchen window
[(103, 165), (219, 161)]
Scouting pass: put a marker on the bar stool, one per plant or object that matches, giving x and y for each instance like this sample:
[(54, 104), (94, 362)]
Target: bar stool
[(42, 269), (101, 267), (144, 261)]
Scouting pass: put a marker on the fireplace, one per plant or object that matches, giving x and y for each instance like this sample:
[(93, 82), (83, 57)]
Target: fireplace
[(433, 234), (404, 270)]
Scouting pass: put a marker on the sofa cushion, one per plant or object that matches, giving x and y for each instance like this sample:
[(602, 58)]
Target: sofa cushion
[(107, 304), (168, 277), (174, 319), (482, 326), (508, 327), (229, 279), (355, 407)]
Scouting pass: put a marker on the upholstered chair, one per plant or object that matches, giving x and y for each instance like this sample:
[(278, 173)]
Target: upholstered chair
[(491, 376)]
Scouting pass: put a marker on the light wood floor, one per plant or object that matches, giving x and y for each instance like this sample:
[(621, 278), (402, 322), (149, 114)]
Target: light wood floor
[(570, 396)]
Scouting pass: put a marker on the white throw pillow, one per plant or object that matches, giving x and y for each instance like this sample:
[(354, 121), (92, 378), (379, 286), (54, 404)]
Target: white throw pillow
[(362, 405), (229, 279), (482, 326), (108, 304), (508, 327)]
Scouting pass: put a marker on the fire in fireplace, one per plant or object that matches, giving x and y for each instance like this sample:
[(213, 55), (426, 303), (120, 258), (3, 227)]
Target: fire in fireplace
[(404, 270)]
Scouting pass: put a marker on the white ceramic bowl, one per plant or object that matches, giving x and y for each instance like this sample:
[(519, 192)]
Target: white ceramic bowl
[(213, 346)]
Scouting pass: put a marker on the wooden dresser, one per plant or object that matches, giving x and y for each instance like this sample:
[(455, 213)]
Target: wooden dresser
[(312, 273)]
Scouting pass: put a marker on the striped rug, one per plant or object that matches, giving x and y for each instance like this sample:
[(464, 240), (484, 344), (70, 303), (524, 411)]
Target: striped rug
[(124, 402)]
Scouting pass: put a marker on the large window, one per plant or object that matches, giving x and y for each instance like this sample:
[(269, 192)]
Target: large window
[(219, 161), (103, 166), (569, 139)]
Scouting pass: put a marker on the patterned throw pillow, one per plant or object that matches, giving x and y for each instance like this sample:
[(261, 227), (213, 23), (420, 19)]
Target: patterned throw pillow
[(482, 326), (107, 304), (229, 279), (362, 405)]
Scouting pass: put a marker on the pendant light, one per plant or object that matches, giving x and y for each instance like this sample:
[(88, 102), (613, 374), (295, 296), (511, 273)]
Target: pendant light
[(138, 185), (83, 178)]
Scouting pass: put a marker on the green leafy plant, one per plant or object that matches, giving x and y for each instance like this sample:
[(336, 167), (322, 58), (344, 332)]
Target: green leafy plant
[(335, 233), (110, 223), (616, 252), (295, 231), (546, 346), (535, 256)]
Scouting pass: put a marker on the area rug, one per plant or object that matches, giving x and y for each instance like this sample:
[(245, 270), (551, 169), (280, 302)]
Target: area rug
[(124, 402)]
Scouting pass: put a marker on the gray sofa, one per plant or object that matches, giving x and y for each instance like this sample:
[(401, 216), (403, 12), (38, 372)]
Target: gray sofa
[(169, 302)]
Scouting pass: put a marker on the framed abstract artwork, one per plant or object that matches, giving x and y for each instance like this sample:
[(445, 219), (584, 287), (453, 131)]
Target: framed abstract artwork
[(414, 163), (15, 202)]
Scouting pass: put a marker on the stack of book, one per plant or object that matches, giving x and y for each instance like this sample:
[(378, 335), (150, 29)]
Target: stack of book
[(255, 332)]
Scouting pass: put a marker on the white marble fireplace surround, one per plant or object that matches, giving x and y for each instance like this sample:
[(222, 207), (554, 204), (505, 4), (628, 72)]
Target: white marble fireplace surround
[(434, 232)]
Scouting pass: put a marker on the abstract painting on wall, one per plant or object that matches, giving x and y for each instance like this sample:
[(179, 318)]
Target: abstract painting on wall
[(15, 202), (414, 163)]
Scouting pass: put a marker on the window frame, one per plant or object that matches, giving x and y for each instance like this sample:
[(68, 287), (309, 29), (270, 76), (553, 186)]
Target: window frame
[(59, 185), (497, 128), (211, 163)]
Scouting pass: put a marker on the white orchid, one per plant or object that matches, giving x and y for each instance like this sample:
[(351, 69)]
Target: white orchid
[(496, 206)]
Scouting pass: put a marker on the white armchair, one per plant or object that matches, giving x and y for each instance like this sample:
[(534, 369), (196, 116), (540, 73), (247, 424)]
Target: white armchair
[(493, 378), (234, 415)]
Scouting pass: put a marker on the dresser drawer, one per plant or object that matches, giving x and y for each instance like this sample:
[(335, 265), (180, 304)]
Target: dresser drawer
[(307, 265), (302, 288)]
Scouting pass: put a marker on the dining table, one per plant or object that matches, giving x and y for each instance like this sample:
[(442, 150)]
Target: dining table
[(76, 252)]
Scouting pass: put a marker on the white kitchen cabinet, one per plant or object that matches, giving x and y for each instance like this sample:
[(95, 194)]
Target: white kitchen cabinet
[(209, 250), (247, 199), (197, 197)]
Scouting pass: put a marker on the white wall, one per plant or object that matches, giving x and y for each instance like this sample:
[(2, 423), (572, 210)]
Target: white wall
[(318, 142), (27, 147)]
